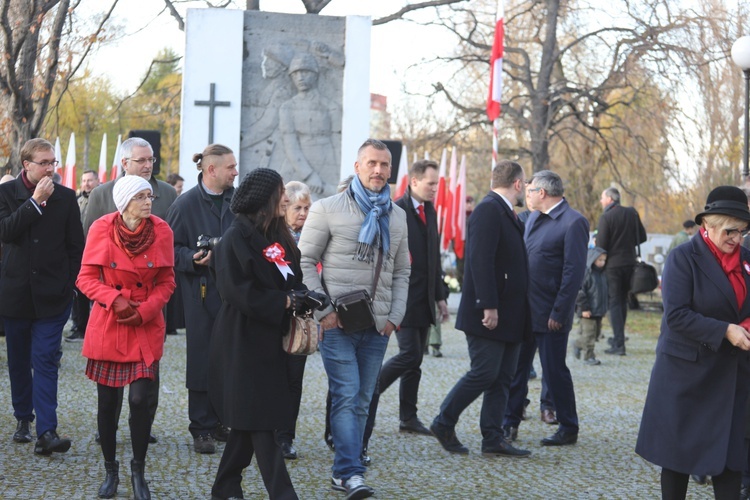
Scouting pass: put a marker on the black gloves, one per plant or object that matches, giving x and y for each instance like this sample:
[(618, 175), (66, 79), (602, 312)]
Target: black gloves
[(302, 301)]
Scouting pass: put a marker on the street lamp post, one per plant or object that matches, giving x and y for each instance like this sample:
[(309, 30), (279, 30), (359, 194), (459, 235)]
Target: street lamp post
[(741, 57)]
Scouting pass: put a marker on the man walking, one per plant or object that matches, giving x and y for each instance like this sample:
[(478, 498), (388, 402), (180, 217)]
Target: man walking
[(360, 237), (40, 228), (494, 314), (202, 210), (556, 241), (81, 304), (425, 288), (619, 232)]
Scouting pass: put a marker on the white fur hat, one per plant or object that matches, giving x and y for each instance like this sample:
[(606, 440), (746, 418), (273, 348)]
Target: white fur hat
[(127, 187)]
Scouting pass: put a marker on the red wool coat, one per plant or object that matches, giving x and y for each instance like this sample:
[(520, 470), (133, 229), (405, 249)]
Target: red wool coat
[(106, 273)]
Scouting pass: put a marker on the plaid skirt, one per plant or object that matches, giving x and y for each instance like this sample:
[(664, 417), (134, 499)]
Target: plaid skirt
[(114, 374)]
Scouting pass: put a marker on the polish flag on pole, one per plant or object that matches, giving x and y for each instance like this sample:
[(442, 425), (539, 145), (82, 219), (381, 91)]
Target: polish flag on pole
[(459, 208), (403, 175), (440, 197), (103, 160), (496, 78), (116, 167), (58, 157), (450, 213), (70, 164)]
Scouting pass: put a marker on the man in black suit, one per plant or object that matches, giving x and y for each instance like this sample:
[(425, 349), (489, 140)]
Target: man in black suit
[(494, 313), (425, 288), (619, 232), (556, 239), (40, 228)]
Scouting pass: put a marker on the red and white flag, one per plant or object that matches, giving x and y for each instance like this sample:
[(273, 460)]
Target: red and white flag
[(403, 175), (116, 167), (459, 230), (103, 160), (58, 157), (440, 197), (450, 213), (70, 164), (496, 66)]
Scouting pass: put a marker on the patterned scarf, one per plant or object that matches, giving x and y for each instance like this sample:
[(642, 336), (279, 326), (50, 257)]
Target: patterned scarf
[(134, 242), (377, 209)]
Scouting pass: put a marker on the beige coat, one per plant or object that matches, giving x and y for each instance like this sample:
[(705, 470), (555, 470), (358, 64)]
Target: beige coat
[(330, 237)]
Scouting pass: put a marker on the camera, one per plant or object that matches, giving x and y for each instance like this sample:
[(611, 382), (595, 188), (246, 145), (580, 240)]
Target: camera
[(206, 243)]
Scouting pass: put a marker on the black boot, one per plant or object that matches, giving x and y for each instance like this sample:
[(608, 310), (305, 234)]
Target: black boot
[(140, 488), (108, 489)]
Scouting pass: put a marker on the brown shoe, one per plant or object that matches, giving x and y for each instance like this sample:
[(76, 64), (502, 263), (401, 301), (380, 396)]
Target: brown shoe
[(548, 417)]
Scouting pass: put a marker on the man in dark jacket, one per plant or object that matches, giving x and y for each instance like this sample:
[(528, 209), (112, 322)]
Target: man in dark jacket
[(619, 232), (425, 288), (494, 314), (40, 228), (202, 210)]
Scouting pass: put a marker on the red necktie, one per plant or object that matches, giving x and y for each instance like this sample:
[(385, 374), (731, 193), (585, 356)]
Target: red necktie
[(420, 212)]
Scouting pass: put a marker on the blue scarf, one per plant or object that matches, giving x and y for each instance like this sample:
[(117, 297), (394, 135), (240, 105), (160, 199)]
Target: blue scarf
[(377, 209)]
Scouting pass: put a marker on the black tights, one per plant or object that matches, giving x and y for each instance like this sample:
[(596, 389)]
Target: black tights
[(726, 485), (140, 419)]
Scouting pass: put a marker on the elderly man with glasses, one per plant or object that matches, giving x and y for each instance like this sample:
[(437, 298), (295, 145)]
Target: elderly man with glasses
[(137, 159)]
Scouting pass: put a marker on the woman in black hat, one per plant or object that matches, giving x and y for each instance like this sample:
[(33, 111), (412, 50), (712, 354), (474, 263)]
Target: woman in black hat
[(258, 276), (694, 417)]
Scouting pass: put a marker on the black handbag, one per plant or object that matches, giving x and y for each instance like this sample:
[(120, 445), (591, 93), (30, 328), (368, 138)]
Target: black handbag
[(644, 278), (354, 309)]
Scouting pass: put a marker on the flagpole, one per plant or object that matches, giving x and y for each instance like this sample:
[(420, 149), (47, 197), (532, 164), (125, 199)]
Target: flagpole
[(495, 133)]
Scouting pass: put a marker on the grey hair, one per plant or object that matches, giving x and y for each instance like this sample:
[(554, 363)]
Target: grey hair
[(296, 191), (126, 148), (613, 193), (549, 181)]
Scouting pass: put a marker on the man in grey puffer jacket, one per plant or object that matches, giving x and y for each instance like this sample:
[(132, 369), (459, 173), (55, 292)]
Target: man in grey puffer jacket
[(345, 233)]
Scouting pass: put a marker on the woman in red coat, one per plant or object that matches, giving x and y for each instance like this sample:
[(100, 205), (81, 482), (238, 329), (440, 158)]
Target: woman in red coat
[(127, 271)]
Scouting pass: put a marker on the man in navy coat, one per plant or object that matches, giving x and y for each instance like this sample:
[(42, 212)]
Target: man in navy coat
[(556, 241), (494, 314)]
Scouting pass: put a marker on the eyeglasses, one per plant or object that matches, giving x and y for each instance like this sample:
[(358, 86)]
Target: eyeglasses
[(734, 232), (46, 164), (141, 161), (143, 197), (531, 190)]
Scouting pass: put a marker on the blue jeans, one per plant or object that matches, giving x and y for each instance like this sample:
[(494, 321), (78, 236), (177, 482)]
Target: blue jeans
[(352, 363), (35, 344)]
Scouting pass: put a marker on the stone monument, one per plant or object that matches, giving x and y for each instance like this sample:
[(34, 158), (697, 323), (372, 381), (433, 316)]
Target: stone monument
[(284, 91)]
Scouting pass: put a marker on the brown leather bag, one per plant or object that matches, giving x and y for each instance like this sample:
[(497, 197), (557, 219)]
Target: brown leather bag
[(302, 337)]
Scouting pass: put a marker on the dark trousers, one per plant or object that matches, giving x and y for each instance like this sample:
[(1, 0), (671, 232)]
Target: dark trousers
[(203, 418), (519, 386), (493, 365), (295, 372), (238, 453), (406, 366), (34, 345), (618, 285), (726, 485), (81, 311)]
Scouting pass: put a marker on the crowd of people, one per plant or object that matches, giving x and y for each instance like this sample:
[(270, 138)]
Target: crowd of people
[(245, 261)]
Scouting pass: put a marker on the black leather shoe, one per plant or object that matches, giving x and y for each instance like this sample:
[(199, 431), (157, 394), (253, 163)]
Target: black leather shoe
[(617, 351), (288, 451), (50, 442), (560, 438), (23, 433), (700, 479), (548, 417), (448, 439), (511, 433), (504, 448), (415, 426), (152, 439), (221, 433)]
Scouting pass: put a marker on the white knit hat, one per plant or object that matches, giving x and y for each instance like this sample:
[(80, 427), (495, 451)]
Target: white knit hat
[(127, 187)]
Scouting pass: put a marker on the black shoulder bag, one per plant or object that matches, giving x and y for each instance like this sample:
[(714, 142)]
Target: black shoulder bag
[(354, 309), (644, 277)]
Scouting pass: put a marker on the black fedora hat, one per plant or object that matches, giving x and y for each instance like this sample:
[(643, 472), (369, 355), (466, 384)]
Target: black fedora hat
[(726, 200)]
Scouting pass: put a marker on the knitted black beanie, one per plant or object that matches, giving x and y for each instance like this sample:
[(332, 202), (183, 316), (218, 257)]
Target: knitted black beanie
[(255, 190)]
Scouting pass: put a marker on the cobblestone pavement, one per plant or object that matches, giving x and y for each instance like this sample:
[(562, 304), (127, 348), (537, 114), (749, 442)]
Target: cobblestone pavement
[(601, 465)]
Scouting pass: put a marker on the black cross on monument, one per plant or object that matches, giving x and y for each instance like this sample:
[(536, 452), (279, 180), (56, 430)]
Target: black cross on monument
[(212, 104)]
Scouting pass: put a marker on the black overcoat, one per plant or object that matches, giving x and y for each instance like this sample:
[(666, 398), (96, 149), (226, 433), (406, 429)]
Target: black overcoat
[(425, 289), (694, 416), (247, 378), (496, 274), (192, 214), (41, 251)]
